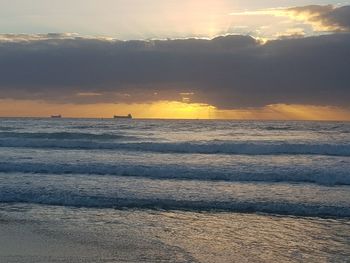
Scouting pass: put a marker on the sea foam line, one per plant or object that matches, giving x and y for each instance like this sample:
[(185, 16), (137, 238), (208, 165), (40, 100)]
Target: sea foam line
[(211, 147), (273, 207), (165, 172)]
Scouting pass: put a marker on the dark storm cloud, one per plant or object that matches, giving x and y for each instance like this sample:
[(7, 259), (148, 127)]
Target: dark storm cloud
[(335, 18), (228, 72)]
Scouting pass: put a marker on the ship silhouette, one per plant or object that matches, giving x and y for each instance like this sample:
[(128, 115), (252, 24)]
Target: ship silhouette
[(129, 116)]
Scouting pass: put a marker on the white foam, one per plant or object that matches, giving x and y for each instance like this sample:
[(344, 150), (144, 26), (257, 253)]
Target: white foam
[(335, 176), (247, 148)]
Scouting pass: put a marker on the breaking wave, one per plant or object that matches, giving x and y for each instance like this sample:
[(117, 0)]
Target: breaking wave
[(279, 174), (273, 207), (78, 141), (42, 136)]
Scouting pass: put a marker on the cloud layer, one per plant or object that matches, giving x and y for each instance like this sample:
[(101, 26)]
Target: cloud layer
[(328, 17), (227, 72)]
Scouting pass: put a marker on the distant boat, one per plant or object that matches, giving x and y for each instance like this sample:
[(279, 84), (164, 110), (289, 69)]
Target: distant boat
[(56, 116), (129, 116)]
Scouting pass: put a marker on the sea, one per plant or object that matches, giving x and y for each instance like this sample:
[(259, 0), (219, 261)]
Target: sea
[(106, 190)]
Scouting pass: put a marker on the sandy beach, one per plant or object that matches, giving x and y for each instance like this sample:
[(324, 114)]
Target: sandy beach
[(56, 234), (25, 243)]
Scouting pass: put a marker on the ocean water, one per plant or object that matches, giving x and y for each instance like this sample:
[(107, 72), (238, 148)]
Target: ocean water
[(178, 190)]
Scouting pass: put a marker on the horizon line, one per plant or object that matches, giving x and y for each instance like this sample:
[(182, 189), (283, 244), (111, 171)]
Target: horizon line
[(170, 119)]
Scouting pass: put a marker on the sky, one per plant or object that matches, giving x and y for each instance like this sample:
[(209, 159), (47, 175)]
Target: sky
[(175, 59), (144, 19)]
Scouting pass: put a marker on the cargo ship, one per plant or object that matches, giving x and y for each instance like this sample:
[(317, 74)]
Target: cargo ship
[(56, 116), (129, 116)]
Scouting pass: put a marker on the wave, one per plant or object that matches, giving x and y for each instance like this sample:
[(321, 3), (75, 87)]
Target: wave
[(59, 136), (176, 172), (273, 207), (77, 141), (7, 128), (279, 128)]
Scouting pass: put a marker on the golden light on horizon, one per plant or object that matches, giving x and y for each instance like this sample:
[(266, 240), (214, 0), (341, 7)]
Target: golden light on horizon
[(171, 110), (161, 110)]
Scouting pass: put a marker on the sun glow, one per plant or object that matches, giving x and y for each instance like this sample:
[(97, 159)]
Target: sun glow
[(171, 110), (161, 110), (180, 110)]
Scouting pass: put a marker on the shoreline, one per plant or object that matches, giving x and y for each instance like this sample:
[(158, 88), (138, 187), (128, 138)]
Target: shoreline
[(44, 234)]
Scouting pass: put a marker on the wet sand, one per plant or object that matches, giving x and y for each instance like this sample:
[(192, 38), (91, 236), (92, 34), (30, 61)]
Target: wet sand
[(39, 233), (22, 243)]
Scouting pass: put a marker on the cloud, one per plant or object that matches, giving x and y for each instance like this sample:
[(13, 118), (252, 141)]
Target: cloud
[(324, 18), (321, 18), (227, 72)]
